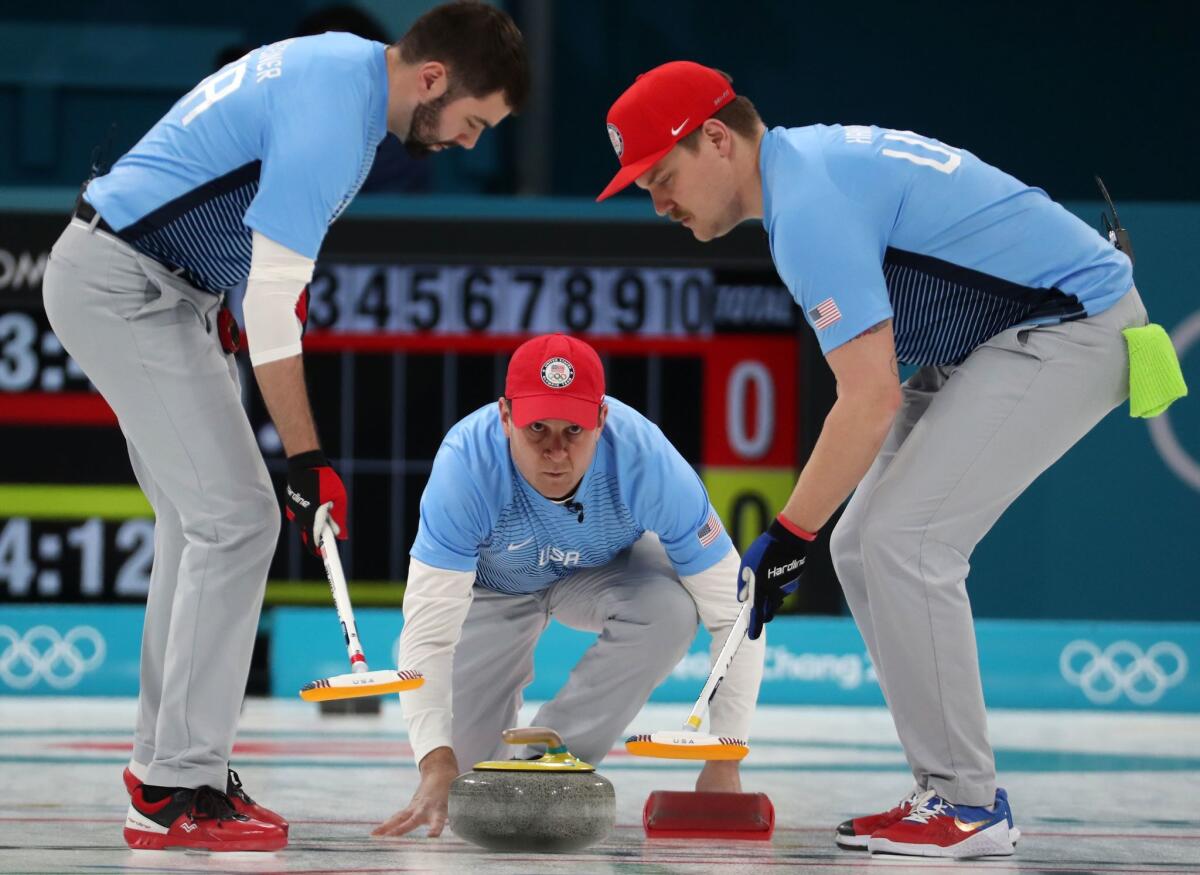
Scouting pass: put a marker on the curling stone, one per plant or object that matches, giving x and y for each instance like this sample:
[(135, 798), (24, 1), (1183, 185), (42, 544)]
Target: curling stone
[(553, 804)]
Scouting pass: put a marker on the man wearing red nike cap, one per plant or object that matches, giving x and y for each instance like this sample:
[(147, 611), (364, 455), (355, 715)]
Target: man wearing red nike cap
[(559, 502), (902, 249)]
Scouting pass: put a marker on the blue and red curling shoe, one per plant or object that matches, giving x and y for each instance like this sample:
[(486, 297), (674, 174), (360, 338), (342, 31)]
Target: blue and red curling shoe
[(937, 828)]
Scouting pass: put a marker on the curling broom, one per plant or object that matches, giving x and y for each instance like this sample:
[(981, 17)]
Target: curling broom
[(689, 743), (360, 681)]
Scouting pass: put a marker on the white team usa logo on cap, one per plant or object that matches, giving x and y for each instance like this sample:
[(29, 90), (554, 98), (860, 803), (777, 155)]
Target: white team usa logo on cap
[(615, 138), (558, 373)]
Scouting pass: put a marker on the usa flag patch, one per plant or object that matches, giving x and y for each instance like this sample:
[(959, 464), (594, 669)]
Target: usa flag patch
[(710, 530), (824, 314)]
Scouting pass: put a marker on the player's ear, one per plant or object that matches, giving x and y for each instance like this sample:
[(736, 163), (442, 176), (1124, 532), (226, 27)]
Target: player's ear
[(432, 79), (718, 135), (603, 416), (505, 416)]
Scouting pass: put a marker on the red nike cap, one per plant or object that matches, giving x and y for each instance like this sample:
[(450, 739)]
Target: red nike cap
[(658, 110), (554, 376)]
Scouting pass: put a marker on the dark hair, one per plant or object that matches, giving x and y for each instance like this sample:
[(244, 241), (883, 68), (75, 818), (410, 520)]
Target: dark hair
[(480, 46), (739, 116)]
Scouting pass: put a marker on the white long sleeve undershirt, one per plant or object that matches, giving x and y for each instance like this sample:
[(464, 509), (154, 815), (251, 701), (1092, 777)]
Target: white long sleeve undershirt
[(277, 276), (436, 602)]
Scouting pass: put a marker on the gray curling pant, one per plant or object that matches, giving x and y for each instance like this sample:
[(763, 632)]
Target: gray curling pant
[(645, 619), (148, 341), (967, 441)]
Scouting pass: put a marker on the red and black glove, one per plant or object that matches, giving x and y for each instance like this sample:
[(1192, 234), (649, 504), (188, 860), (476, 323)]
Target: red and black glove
[(314, 493)]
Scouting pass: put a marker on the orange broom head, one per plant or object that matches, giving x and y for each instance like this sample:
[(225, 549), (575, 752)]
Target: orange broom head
[(367, 683), (684, 745)]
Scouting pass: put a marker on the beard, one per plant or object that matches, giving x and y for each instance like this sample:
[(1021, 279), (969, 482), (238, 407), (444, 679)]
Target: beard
[(423, 131)]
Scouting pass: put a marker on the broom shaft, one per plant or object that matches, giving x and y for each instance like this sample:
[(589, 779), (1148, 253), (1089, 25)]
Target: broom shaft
[(732, 642), (341, 599)]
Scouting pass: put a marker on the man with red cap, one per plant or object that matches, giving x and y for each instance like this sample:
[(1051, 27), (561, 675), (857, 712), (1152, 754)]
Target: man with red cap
[(559, 502), (902, 249)]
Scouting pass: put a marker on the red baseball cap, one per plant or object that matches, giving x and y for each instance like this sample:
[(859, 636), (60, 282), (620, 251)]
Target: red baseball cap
[(555, 376), (658, 110)]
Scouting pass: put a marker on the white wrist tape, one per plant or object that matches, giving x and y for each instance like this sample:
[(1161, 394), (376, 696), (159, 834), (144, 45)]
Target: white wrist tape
[(277, 276)]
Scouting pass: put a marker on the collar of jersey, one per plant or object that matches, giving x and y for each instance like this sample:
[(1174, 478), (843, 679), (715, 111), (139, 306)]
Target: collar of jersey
[(379, 96), (766, 152)]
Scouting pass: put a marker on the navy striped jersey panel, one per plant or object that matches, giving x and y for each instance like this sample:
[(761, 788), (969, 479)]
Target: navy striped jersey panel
[(202, 232), (942, 311), (533, 545)]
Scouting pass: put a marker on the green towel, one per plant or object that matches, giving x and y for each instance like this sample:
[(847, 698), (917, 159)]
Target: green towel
[(1155, 380)]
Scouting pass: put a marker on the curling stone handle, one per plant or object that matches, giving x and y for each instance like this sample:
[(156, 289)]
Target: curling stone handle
[(535, 735)]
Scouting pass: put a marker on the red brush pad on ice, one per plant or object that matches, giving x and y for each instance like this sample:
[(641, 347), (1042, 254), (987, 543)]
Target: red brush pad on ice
[(674, 815)]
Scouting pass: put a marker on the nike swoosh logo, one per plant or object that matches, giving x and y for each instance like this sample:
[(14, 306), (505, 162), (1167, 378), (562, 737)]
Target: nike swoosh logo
[(968, 827), (512, 547), (675, 131), (145, 807)]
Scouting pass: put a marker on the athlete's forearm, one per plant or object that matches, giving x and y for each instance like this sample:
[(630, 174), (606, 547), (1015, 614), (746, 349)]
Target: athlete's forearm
[(282, 386), (849, 441), (436, 602)]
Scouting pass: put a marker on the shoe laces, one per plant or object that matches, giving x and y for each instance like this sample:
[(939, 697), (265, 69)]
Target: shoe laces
[(927, 806), (235, 788), (917, 799), (209, 803)]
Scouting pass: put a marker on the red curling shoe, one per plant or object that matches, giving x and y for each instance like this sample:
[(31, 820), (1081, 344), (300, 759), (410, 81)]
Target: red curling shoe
[(242, 803), (201, 818)]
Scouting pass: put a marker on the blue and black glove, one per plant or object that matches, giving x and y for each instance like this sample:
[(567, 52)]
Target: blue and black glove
[(770, 570)]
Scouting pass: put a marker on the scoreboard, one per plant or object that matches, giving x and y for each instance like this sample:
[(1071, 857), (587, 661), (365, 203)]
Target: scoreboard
[(410, 328)]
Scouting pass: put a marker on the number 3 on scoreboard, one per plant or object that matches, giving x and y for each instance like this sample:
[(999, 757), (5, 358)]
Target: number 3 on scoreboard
[(214, 88)]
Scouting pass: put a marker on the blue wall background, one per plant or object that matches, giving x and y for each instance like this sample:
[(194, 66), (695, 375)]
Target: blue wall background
[(1052, 92), (810, 661)]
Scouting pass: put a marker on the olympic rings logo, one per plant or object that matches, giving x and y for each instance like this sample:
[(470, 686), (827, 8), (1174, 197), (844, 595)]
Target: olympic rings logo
[(42, 654), (1122, 668)]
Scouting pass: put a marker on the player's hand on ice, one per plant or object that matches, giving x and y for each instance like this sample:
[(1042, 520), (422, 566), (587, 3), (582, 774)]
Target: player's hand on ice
[(771, 569), (719, 776), (430, 804), (315, 493)]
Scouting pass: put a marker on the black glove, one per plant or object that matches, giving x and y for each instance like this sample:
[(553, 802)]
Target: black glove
[(314, 493), (771, 569)]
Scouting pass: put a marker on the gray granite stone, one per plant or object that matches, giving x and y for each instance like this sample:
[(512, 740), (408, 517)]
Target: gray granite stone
[(546, 812)]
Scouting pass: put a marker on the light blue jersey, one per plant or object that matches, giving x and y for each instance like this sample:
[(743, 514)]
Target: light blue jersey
[(867, 224), (479, 514), (277, 142)]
